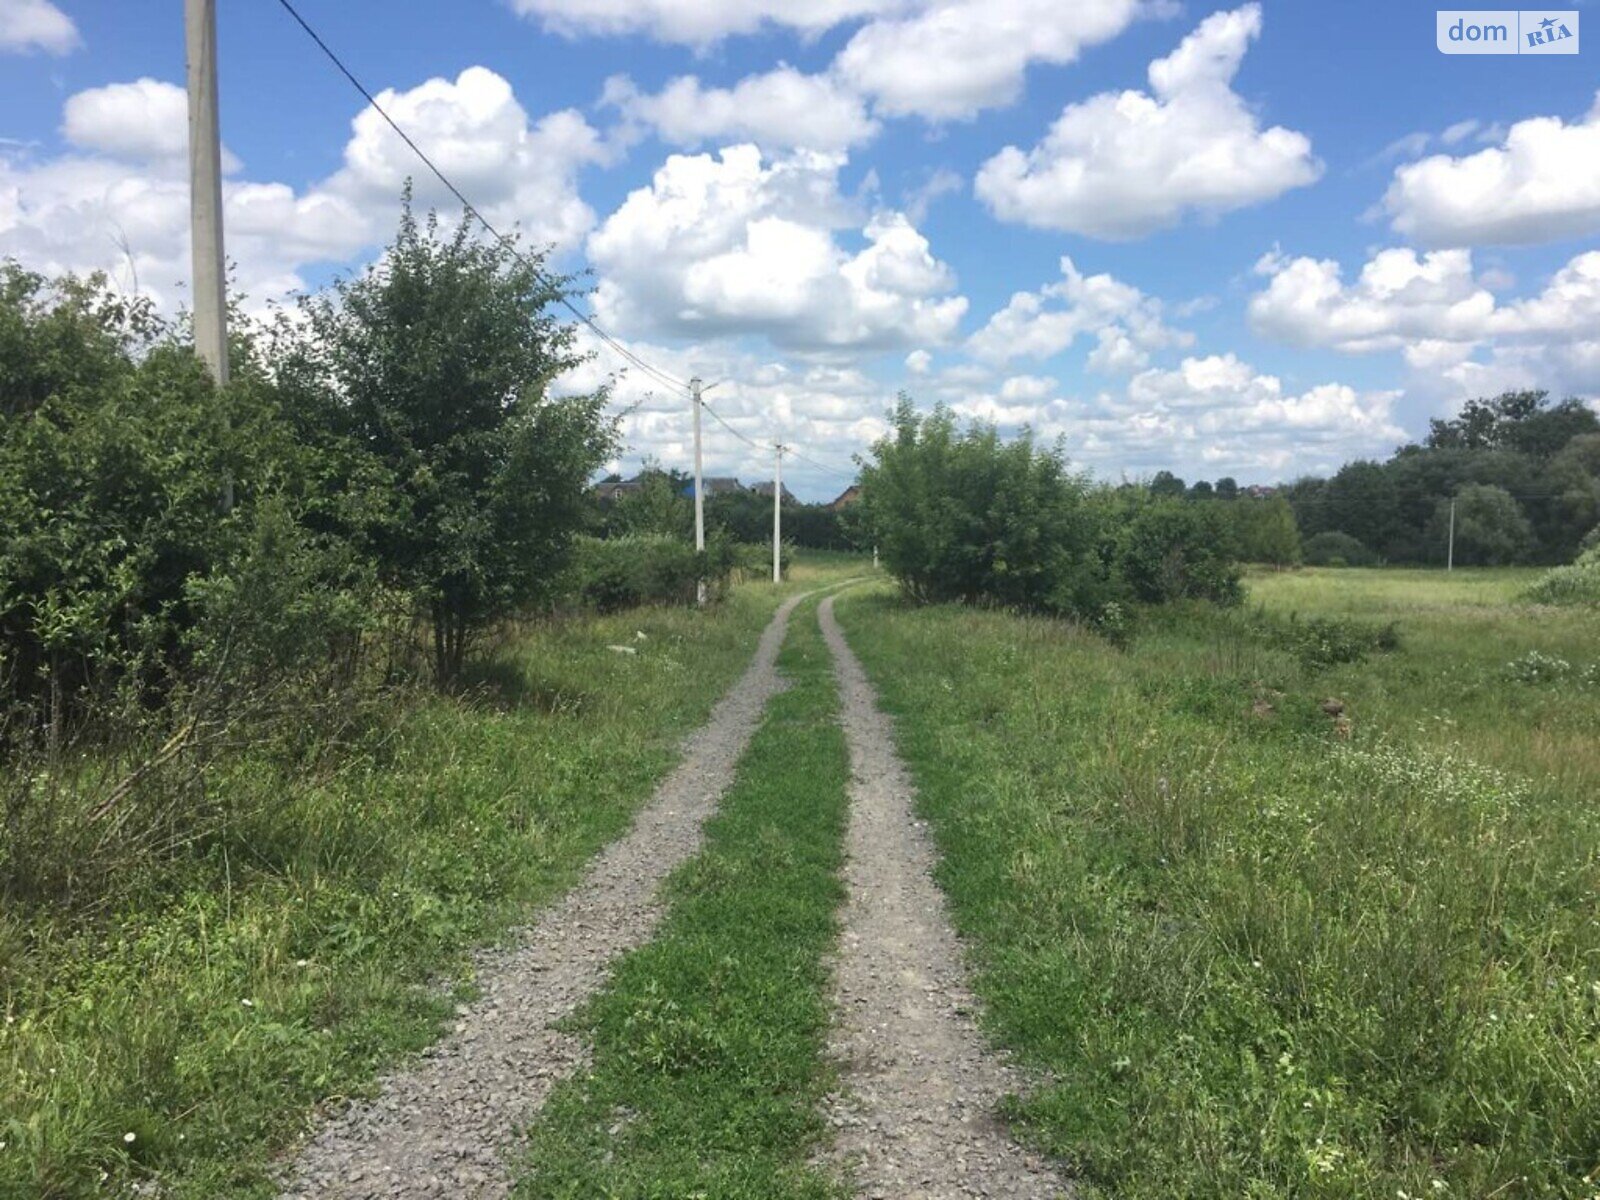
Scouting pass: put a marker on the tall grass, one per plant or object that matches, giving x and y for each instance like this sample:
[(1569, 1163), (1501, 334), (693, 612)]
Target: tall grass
[(708, 1071), (183, 1034), (1256, 951)]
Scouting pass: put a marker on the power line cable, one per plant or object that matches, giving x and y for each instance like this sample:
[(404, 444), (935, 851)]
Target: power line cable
[(745, 438), (656, 373), (822, 466), (660, 376)]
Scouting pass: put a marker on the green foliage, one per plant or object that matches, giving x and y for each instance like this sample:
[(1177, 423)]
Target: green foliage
[(709, 1067), (116, 553), (609, 574), (1168, 550), (963, 515), (290, 956), (1490, 529), (1249, 957), (489, 471), (1318, 642), (1332, 548), (1546, 456), (1576, 583), (659, 507), (1266, 531)]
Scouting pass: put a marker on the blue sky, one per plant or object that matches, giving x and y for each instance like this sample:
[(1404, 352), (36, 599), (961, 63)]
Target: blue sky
[(1293, 232)]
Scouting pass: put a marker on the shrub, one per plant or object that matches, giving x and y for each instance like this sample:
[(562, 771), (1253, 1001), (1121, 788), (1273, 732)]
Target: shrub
[(1576, 583), (1334, 549), (609, 574), (1320, 642), (963, 516), (1171, 550)]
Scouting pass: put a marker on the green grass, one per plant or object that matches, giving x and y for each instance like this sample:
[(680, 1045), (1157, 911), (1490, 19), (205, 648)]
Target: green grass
[(1463, 680), (325, 932), (708, 1069), (1255, 959)]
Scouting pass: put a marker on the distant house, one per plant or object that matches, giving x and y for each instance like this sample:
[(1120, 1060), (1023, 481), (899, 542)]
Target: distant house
[(616, 487), (846, 498), (765, 489), (613, 489), (717, 485), (1260, 492)]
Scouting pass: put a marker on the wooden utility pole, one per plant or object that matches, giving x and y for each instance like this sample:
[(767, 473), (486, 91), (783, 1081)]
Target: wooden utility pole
[(209, 281), (1450, 554), (699, 494), (777, 516)]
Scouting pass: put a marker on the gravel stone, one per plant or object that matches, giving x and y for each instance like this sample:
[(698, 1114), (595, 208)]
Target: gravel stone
[(439, 1127), (917, 1117)]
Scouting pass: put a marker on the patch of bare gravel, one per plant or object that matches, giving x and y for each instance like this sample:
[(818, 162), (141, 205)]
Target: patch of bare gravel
[(439, 1127), (917, 1117)]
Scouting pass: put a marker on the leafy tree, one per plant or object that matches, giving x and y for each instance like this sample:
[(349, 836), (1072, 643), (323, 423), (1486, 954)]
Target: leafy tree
[(659, 506), (1361, 500), (1166, 483), (116, 555), (440, 359), (1201, 489), (1490, 528), (1227, 488), (1176, 551), (1331, 549), (1520, 421), (964, 516), (1267, 531), (1574, 476)]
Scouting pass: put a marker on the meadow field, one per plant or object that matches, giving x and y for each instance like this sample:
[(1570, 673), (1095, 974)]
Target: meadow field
[(1298, 899), (186, 1032)]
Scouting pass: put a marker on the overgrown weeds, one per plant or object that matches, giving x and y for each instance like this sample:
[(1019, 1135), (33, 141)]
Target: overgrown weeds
[(708, 1070), (320, 926), (1258, 960)]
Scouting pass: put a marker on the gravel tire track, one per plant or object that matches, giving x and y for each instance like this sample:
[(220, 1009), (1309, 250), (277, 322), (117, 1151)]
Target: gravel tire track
[(439, 1127), (916, 1121)]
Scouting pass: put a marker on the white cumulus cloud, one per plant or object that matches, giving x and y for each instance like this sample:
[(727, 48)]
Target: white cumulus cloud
[(697, 22), (1441, 314), (1121, 165), (732, 244), (119, 201), (781, 109), (516, 170), (953, 58), (36, 25), (1541, 184), (1126, 323)]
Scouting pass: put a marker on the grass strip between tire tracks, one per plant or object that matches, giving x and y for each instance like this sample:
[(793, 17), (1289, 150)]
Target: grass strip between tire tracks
[(709, 1042)]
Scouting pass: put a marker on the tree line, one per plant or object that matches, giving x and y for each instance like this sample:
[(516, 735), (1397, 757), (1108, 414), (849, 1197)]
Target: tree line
[(1523, 473), (397, 457)]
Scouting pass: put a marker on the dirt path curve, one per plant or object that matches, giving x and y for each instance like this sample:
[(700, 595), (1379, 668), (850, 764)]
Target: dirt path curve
[(439, 1126), (917, 1121)]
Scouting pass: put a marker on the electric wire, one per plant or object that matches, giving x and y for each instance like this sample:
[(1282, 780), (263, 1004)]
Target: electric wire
[(656, 373), (659, 375)]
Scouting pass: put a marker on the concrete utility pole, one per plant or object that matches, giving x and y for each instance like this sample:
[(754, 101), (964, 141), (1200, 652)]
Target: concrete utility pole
[(1450, 555), (699, 495), (777, 516), (205, 198)]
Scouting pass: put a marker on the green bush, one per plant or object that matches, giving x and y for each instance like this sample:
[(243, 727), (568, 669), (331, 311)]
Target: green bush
[(609, 574), (1334, 549), (1575, 583), (962, 515), (1170, 550), (1320, 642)]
